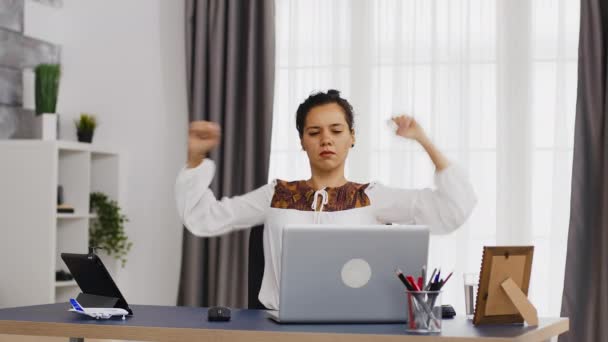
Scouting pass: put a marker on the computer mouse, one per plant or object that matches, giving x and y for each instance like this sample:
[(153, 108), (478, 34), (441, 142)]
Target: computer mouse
[(447, 311), (218, 314)]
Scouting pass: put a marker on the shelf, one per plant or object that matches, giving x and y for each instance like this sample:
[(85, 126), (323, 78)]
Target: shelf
[(83, 147), (80, 169), (75, 216), (65, 283), (62, 145)]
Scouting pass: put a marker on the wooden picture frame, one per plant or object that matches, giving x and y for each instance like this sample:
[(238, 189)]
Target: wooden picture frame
[(503, 286)]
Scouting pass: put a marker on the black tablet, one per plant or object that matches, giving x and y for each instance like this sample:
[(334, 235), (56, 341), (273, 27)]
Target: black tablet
[(97, 286)]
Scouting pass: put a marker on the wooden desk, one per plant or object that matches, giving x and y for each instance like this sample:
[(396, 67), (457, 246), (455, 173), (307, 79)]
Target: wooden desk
[(169, 323)]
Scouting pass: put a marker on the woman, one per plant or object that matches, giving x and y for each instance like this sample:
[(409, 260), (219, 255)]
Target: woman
[(325, 125)]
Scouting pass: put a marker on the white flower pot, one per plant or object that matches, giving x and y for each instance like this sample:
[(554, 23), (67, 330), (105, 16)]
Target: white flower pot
[(46, 126)]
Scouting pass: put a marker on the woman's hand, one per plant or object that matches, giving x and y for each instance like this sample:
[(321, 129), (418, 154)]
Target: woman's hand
[(408, 127), (203, 136)]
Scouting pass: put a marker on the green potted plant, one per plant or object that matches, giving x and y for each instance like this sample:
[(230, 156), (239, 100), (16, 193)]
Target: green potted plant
[(85, 127), (107, 229), (46, 92)]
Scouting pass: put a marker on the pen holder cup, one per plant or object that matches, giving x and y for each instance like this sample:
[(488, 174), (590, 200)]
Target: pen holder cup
[(423, 311)]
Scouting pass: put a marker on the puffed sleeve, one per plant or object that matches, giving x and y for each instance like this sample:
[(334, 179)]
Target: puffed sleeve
[(443, 209), (204, 215)]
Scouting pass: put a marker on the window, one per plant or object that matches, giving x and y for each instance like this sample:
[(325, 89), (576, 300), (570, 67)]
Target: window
[(493, 83)]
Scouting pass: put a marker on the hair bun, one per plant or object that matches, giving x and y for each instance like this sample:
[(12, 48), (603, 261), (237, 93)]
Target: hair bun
[(333, 92)]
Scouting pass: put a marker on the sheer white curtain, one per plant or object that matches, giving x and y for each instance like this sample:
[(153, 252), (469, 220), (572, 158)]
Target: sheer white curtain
[(493, 82)]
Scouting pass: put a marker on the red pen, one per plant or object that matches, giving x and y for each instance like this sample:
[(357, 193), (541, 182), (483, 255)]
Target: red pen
[(410, 311), (412, 282), (409, 298), (420, 283)]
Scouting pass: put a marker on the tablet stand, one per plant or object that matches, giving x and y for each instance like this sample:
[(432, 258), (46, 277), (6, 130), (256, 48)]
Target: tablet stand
[(95, 282), (94, 301)]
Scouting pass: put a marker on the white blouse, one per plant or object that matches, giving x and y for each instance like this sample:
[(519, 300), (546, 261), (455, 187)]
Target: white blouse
[(443, 209)]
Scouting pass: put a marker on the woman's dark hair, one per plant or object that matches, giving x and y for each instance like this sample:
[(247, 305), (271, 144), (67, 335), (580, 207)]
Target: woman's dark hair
[(321, 98)]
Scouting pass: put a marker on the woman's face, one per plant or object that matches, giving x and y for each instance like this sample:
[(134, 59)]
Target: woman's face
[(326, 137)]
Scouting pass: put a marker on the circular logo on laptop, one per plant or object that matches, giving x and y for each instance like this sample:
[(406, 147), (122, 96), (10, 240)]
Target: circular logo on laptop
[(356, 273)]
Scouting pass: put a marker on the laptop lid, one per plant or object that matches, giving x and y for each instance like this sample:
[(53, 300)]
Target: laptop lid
[(338, 273)]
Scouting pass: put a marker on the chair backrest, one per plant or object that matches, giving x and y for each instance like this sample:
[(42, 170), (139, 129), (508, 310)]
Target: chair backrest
[(255, 267)]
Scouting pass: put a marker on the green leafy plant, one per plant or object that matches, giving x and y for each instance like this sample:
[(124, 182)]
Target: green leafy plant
[(86, 123), (107, 230), (47, 87)]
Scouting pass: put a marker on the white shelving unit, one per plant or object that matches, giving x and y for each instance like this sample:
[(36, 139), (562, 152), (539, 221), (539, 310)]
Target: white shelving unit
[(66, 283), (33, 234)]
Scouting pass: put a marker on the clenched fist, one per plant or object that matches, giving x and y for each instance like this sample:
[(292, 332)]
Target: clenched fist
[(408, 127), (203, 136)]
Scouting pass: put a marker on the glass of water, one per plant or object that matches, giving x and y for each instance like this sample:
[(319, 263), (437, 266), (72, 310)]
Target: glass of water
[(471, 281)]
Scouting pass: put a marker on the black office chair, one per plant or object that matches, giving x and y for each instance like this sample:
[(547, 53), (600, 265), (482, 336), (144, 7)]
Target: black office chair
[(255, 267)]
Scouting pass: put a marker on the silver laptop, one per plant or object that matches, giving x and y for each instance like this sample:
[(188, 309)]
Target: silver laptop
[(337, 273)]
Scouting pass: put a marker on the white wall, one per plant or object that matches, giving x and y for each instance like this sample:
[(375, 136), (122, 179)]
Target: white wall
[(124, 61)]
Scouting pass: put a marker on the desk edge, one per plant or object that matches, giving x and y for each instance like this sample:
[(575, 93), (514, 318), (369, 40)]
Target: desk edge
[(177, 334)]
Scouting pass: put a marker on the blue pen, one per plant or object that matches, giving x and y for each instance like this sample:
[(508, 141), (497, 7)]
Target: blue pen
[(437, 276)]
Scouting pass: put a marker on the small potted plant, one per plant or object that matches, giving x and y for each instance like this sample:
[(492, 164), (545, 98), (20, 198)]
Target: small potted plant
[(85, 127), (46, 92)]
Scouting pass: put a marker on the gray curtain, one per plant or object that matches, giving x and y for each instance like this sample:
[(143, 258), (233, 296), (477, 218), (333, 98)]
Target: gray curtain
[(231, 62), (585, 298)]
